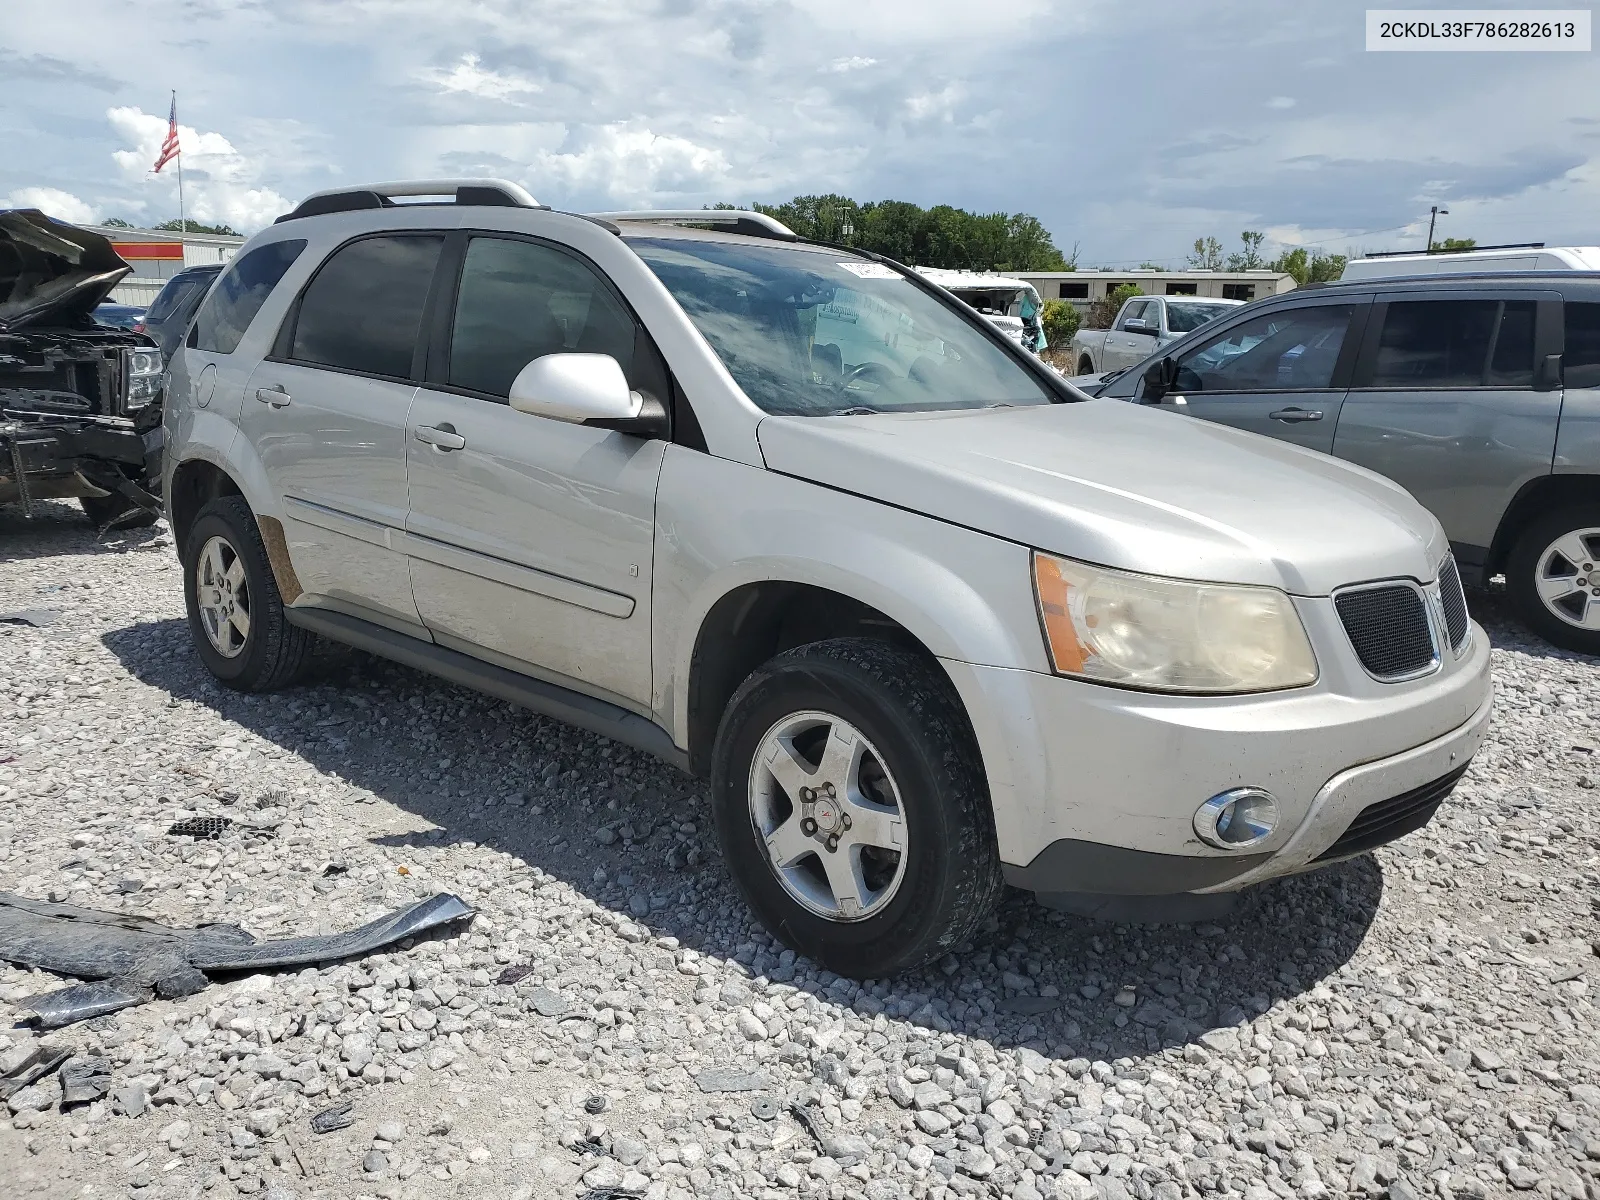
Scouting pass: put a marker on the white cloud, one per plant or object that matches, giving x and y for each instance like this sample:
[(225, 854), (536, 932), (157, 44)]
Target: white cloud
[(221, 184), (469, 77), (1281, 102), (936, 106), (631, 165), (53, 202), (854, 63)]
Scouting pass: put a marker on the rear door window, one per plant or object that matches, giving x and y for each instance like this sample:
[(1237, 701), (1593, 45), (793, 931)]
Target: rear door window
[(1580, 362), (362, 311), (1292, 349), (1455, 344), (519, 301), (239, 295)]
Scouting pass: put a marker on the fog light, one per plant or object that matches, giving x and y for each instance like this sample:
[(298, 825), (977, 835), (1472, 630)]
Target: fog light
[(1237, 819)]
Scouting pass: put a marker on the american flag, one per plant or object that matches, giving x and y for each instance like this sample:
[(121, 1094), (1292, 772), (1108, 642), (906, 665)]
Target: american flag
[(169, 148)]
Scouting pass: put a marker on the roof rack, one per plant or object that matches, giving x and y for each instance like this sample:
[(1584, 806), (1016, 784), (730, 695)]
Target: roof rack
[(1454, 250), (754, 224), (495, 192)]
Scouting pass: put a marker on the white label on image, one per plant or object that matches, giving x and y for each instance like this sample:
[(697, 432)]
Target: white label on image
[(1472, 29), (871, 270)]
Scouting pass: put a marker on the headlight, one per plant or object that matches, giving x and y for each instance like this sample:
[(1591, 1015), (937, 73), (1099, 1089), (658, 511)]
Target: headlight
[(144, 377), (1169, 635)]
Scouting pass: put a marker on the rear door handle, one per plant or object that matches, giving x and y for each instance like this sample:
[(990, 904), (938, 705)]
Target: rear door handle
[(441, 436), (274, 395), (1293, 416)]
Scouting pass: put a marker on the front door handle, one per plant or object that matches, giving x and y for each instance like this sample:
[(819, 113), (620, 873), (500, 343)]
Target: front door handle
[(1293, 416), (274, 395), (442, 437)]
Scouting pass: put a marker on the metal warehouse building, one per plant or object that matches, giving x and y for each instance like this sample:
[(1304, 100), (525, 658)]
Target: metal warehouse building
[(156, 255), (1083, 288)]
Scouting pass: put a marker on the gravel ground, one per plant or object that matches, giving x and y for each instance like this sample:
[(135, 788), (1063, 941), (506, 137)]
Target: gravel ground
[(1417, 1023)]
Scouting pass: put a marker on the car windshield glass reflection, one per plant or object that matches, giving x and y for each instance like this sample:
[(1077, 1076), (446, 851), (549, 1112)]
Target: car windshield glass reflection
[(817, 334)]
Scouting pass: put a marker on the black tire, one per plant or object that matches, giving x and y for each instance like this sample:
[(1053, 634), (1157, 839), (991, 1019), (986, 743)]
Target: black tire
[(1523, 567), (909, 713), (274, 654), (103, 510)]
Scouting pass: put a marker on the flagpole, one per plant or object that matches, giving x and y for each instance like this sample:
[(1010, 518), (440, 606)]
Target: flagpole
[(183, 227)]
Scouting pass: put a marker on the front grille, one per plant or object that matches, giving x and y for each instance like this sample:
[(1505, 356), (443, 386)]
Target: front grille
[(1454, 600), (1389, 819), (1388, 627)]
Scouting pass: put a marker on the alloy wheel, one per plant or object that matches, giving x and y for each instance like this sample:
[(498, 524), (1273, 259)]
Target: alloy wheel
[(222, 594), (1567, 578), (829, 816)]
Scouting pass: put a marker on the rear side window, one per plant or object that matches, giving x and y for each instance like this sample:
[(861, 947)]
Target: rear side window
[(1291, 350), (1580, 363), (362, 311), (519, 301), (1455, 343), (239, 295), (177, 292)]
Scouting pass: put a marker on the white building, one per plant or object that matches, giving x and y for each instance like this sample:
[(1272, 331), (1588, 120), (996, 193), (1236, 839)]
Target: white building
[(156, 255), (1083, 288)]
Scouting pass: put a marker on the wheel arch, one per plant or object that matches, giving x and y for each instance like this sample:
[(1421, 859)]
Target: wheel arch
[(1547, 493)]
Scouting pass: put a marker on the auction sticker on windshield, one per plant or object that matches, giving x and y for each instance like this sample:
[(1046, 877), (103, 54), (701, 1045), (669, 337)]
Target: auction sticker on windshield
[(871, 270)]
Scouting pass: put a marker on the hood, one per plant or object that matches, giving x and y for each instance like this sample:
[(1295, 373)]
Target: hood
[(1125, 486), (52, 273)]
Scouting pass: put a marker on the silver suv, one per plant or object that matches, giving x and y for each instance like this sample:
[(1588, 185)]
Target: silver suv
[(793, 518)]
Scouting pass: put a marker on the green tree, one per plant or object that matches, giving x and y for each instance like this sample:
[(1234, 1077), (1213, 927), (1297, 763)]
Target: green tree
[(192, 226), (1449, 244), (117, 223), (1248, 259), (1060, 319), (1308, 266), (1207, 255), (1147, 265), (1103, 312)]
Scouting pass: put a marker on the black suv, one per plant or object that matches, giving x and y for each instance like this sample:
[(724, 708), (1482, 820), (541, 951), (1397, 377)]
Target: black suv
[(1480, 394)]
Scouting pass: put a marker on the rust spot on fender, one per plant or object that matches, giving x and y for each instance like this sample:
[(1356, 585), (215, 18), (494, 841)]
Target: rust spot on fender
[(278, 557)]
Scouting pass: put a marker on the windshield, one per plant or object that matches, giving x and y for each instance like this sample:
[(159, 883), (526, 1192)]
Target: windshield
[(815, 334), (1186, 317)]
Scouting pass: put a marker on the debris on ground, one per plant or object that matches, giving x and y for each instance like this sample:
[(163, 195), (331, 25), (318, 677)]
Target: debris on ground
[(30, 1068), (84, 1080), (337, 1116), (514, 973), (730, 1079), (140, 959), (200, 828), (37, 617)]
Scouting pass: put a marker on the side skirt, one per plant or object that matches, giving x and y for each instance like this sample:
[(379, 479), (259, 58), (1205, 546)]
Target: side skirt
[(548, 699)]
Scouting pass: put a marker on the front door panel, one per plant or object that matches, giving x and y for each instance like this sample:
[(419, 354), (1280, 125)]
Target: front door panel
[(532, 540)]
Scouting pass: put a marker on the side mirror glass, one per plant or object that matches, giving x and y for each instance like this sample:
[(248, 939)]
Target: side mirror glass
[(586, 389)]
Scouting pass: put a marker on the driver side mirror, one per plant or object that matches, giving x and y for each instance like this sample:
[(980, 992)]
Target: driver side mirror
[(586, 389), (1139, 325), (1158, 379)]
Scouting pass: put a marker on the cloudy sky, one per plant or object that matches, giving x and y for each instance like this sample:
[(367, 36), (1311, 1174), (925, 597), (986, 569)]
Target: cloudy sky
[(1129, 129)]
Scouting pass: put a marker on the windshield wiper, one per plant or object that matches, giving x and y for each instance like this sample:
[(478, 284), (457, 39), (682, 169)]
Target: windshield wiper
[(860, 410), (1120, 371)]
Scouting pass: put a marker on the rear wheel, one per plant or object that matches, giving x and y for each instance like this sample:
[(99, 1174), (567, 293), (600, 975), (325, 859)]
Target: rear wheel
[(236, 615), (114, 509), (1553, 578), (852, 807)]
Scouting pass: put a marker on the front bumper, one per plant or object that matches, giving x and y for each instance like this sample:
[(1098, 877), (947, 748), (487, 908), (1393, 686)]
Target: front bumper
[(1094, 789), (63, 456)]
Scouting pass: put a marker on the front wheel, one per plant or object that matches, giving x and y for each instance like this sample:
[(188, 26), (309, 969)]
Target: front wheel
[(1553, 578), (852, 807), (236, 615)]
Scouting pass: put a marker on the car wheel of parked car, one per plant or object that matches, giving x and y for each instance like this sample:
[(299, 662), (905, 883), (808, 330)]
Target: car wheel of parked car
[(1086, 366), (103, 510), (852, 807), (1553, 578), (235, 612)]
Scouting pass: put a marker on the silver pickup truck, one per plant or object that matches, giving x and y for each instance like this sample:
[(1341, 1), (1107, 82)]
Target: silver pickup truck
[(1144, 325)]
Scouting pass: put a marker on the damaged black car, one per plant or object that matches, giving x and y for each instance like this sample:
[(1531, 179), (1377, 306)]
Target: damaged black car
[(80, 402)]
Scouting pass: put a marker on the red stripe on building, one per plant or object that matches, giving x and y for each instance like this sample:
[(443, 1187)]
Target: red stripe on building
[(149, 251)]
